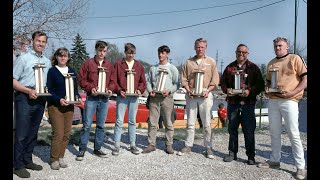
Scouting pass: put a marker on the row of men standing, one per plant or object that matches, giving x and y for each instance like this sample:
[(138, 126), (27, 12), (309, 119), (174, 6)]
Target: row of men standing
[(30, 107)]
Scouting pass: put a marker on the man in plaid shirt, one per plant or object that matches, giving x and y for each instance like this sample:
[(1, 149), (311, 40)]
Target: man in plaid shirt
[(241, 106)]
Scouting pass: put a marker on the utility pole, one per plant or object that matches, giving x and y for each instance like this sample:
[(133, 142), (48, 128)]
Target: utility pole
[(217, 57), (295, 27), (221, 67)]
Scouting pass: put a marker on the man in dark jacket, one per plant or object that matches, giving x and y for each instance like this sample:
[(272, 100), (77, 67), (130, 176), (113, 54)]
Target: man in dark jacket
[(241, 105)]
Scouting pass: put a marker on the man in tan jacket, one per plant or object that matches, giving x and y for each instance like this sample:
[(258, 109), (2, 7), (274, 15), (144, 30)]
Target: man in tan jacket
[(195, 102)]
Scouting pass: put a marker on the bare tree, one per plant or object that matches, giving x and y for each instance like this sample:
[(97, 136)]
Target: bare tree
[(114, 54), (299, 50), (58, 18), (179, 62)]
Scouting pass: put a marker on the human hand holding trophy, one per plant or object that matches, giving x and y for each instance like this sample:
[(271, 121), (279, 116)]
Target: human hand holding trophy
[(130, 84), (161, 81), (70, 97), (238, 90), (102, 87), (273, 87), (198, 87), (40, 88)]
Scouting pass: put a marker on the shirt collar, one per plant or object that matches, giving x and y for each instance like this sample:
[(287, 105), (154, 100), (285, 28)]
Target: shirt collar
[(36, 54)]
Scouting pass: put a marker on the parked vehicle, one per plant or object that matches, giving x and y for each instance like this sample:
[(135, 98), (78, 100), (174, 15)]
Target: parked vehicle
[(142, 113)]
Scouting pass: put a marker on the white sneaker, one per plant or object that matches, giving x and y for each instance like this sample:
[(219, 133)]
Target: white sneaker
[(55, 165), (62, 163), (301, 174)]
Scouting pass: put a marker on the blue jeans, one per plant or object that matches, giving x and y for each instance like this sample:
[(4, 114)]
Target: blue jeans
[(99, 105), (244, 115), (122, 103), (29, 113)]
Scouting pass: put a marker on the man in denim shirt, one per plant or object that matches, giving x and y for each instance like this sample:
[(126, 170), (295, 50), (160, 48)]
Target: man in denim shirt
[(95, 103), (241, 106), (29, 107), (161, 103)]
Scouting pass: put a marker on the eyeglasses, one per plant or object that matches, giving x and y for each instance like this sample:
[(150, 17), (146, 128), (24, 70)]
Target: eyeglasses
[(242, 52)]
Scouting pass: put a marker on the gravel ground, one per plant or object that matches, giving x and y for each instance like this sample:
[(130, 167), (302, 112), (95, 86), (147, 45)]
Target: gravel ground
[(159, 165)]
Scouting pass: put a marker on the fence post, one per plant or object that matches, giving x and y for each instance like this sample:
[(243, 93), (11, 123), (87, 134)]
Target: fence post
[(260, 110)]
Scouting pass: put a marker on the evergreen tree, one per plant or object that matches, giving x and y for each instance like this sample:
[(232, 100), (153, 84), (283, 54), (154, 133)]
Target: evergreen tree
[(78, 53)]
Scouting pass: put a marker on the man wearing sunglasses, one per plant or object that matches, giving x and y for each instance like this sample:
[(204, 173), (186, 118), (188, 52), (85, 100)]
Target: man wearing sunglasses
[(241, 105)]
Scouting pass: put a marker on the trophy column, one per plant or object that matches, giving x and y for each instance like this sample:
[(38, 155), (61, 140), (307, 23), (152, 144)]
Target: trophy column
[(237, 82), (41, 89), (101, 89), (198, 89), (161, 81), (130, 83), (69, 83), (274, 81)]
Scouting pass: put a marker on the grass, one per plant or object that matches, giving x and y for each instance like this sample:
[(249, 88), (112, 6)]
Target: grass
[(45, 134)]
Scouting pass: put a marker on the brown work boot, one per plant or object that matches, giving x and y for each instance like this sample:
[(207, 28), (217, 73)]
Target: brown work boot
[(269, 164), (169, 149), (184, 151), (149, 149)]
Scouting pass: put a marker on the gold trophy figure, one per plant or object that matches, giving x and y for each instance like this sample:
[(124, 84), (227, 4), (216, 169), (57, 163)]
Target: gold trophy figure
[(130, 83), (274, 81), (161, 81), (40, 88), (101, 89), (69, 83)]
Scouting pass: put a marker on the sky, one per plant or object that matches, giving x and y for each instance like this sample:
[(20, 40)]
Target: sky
[(225, 24)]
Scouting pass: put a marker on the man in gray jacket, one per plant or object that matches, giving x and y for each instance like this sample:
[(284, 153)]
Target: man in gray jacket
[(162, 81)]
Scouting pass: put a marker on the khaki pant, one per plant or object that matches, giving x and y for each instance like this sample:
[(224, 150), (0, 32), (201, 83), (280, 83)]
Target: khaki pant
[(61, 123), (203, 105), (164, 106)]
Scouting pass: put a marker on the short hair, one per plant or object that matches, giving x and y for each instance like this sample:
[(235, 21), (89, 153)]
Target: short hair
[(59, 52), (242, 45), (199, 40), (39, 33), (100, 44), (280, 39), (221, 105), (164, 48), (129, 48)]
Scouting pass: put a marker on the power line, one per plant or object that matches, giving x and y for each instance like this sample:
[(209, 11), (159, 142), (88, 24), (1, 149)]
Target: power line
[(165, 12), (176, 11), (304, 1), (183, 27)]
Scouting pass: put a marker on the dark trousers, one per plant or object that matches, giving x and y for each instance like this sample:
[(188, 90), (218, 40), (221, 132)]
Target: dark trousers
[(29, 114), (244, 115)]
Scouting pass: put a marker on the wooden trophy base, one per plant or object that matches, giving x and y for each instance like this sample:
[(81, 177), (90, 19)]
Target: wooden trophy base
[(73, 102), (103, 93), (132, 94), (274, 90), (157, 92), (198, 95), (43, 94), (235, 91)]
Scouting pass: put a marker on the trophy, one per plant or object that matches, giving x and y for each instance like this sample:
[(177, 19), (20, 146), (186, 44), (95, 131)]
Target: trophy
[(274, 81), (69, 82), (238, 73), (198, 90), (130, 83), (41, 89), (101, 89), (161, 81)]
